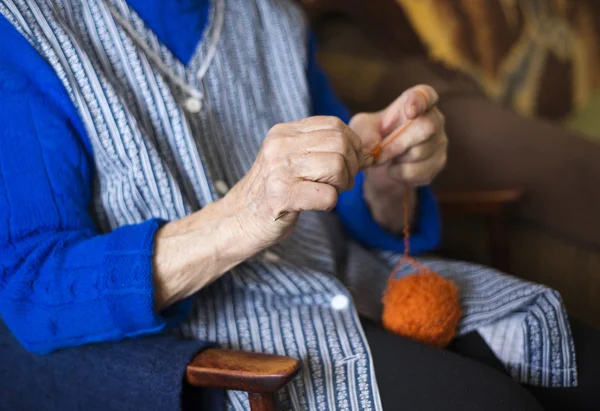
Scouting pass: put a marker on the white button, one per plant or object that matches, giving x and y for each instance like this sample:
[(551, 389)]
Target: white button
[(221, 187), (271, 257), (340, 302), (192, 105)]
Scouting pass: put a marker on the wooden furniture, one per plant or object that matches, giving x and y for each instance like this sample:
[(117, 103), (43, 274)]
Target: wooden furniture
[(260, 375), (263, 375)]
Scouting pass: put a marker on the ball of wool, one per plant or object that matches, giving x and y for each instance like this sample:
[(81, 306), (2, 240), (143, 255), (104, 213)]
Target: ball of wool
[(424, 306)]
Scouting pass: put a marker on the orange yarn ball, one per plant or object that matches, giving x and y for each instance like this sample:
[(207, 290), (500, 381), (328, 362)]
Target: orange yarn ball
[(423, 306)]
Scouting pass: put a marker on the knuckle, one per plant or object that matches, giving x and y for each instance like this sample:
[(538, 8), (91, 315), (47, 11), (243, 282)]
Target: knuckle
[(338, 123), (276, 188), (427, 127), (339, 165), (277, 129), (346, 146), (334, 122), (281, 164), (272, 147), (338, 135), (360, 118), (329, 197), (340, 141)]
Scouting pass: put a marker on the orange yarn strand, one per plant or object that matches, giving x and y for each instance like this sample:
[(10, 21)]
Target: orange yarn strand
[(390, 140), (423, 306), (406, 230)]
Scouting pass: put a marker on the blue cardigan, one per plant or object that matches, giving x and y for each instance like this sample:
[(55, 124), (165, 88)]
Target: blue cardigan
[(63, 284)]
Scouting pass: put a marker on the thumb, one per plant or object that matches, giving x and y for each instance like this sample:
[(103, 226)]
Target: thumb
[(419, 100), (410, 105), (367, 127), (370, 139)]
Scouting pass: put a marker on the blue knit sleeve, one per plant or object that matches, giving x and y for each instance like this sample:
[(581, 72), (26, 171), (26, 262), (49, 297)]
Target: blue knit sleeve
[(62, 283), (351, 207)]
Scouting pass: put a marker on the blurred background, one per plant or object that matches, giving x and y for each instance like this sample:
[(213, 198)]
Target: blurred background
[(519, 83)]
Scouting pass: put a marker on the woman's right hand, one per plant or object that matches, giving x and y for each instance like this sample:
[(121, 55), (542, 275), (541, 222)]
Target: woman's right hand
[(301, 166)]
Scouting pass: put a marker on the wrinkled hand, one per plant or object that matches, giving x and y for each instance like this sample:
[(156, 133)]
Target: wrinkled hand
[(414, 158), (301, 166)]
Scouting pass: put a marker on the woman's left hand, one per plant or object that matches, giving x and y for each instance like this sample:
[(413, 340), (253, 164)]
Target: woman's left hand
[(414, 158)]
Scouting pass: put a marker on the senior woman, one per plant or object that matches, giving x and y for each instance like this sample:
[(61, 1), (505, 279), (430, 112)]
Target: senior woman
[(167, 164)]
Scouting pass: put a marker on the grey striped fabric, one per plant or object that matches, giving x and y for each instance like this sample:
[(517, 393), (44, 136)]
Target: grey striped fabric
[(170, 138)]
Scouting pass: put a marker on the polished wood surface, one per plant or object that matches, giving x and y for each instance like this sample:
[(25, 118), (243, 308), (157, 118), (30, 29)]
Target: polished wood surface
[(477, 202), (241, 370), (262, 401)]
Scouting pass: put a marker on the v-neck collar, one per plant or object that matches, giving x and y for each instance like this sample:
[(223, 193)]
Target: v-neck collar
[(178, 24), (145, 33)]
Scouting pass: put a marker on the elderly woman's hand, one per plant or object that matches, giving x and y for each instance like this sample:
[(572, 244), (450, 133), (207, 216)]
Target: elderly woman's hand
[(414, 158), (302, 166)]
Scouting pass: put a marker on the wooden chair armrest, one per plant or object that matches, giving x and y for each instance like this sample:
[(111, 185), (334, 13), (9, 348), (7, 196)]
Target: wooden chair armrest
[(261, 375), (488, 202)]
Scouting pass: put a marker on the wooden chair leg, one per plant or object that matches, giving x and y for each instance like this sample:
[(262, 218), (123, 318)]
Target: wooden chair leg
[(262, 376), (264, 401)]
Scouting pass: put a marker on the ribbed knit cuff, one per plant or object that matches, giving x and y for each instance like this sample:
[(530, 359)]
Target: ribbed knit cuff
[(128, 282)]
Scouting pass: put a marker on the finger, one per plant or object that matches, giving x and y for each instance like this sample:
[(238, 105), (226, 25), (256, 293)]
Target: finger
[(327, 168), (425, 150), (412, 103), (418, 174), (417, 132), (368, 128), (317, 141), (419, 100), (330, 141), (322, 127), (326, 137), (355, 140), (309, 195)]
